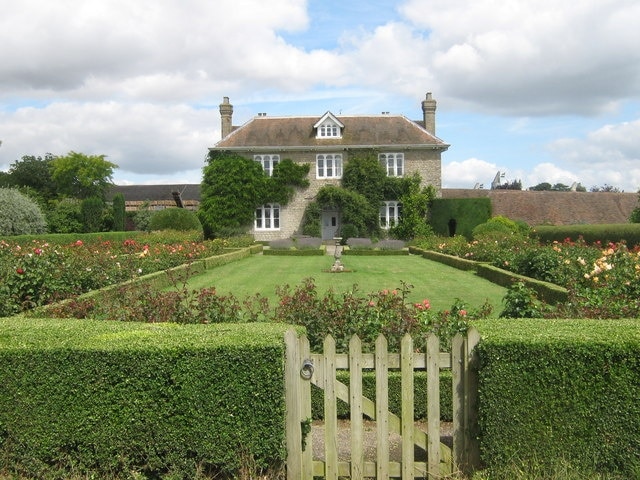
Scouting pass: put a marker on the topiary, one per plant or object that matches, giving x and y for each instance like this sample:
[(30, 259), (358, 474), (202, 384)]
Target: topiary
[(174, 219), (19, 215)]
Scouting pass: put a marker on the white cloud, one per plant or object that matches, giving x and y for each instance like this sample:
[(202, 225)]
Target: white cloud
[(532, 56), (467, 173), (140, 138), (609, 155)]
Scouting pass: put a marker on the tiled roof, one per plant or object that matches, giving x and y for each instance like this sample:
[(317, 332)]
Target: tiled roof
[(363, 130), (141, 193), (555, 208)]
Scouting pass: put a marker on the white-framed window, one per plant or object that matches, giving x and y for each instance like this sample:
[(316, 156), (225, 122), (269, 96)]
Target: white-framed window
[(329, 129), (268, 217), (390, 214), (268, 162), (393, 163), (329, 165)]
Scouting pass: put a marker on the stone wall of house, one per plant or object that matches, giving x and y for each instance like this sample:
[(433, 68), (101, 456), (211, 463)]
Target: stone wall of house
[(426, 163)]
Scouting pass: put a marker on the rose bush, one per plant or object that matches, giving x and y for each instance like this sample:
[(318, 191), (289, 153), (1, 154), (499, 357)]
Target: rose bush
[(38, 273), (603, 280)]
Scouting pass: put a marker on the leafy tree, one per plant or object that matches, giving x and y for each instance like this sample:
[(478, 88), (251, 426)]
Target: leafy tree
[(142, 217), (91, 210), (34, 173), (65, 216), (232, 187), (541, 187), (514, 185), (175, 219), (19, 215), (119, 212), (415, 210), (606, 188), (82, 176), (635, 214)]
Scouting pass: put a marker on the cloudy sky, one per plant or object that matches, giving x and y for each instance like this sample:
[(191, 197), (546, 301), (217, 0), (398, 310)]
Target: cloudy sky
[(542, 90)]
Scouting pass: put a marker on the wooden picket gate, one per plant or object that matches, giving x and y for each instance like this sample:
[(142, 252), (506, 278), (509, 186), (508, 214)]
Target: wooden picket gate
[(304, 368)]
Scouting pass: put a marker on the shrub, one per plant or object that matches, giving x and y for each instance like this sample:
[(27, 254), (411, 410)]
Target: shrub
[(174, 218), (552, 390), (19, 214), (86, 399), (65, 217)]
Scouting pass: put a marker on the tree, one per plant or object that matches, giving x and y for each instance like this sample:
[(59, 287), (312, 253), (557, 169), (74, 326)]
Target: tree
[(119, 212), (82, 176), (606, 188), (34, 173), (19, 215), (91, 210), (175, 219), (514, 185), (415, 211), (232, 187), (635, 214)]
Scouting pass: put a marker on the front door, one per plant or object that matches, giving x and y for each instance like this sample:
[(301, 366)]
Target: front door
[(330, 224)]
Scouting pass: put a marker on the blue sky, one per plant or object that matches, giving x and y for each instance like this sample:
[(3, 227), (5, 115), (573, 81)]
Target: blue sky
[(539, 90)]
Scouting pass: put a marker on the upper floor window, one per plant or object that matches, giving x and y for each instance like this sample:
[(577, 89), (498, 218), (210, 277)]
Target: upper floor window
[(393, 163), (329, 129), (390, 214), (268, 162), (329, 165), (268, 217), (328, 126)]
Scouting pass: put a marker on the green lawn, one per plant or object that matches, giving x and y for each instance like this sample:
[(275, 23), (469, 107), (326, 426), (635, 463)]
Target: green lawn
[(439, 283)]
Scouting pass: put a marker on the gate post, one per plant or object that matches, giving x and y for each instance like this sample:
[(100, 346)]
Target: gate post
[(464, 367), (293, 406)]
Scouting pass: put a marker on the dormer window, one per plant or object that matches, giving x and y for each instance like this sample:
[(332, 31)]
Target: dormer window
[(328, 127)]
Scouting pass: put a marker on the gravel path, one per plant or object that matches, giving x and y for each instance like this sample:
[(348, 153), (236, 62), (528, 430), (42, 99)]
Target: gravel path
[(395, 441)]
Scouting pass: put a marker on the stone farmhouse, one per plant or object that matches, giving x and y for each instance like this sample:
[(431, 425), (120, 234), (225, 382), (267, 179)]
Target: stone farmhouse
[(326, 143)]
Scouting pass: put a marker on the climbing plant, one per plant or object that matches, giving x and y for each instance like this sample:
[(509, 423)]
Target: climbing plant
[(233, 186)]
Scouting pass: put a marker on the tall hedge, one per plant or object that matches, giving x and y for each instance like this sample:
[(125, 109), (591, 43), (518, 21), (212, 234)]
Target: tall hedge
[(561, 391), (604, 233), (104, 399), (467, 213)]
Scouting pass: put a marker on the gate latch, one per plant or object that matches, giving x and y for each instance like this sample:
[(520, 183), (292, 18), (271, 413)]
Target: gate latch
[(306, 372)]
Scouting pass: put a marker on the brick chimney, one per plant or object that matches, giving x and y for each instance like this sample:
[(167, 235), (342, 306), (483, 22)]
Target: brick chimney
[(226, 113), (429, 113)]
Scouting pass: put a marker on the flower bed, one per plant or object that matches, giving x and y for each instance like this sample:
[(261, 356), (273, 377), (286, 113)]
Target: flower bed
[(37, 272), (603, 280)]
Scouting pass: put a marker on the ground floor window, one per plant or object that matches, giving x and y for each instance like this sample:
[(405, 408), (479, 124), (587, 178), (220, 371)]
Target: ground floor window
[(390, 214), (268, 217)]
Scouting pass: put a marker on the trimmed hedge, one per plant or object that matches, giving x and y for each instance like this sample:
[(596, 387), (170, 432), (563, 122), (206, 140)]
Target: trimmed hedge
[(467, 212), (604, 233), (451, 260), (107, 399), (547, 292), (373, 252), (560, 390), (294, 252)]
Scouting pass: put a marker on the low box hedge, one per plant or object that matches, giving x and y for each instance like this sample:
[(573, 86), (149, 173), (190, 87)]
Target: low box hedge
[(547, 292), (451, 260), (105, 399), (560, 391)]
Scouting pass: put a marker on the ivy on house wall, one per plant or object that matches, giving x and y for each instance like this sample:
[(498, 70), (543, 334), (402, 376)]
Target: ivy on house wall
[(233, 186)]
